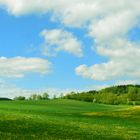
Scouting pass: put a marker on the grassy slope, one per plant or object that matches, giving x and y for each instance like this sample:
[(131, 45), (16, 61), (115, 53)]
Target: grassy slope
[(67, 119)]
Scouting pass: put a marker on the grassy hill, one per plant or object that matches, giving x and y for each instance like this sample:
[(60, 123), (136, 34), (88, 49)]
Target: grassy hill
[(68, 120)]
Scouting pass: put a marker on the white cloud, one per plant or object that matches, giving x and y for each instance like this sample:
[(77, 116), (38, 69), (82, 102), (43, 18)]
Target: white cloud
[(116, 25), (20, 66), (74, 12), (59, 40), (124, 62), (23, 7)]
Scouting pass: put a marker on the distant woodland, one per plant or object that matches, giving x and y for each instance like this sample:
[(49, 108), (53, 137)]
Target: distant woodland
[(123, 94)]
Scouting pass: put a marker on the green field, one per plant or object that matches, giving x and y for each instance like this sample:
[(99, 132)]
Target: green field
[(68, 120)]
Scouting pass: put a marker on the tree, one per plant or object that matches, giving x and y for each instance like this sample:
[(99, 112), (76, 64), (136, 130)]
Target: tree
[(45, 96), (54, 96), (132, 94), (38, 97), (61, 95), (33, 97)]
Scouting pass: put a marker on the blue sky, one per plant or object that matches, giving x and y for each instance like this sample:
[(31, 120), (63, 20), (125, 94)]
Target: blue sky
[(52, 46), (20, 37)]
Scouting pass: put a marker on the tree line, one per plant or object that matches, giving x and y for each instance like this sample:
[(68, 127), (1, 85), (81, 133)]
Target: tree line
[(44, 96), (124, 94)]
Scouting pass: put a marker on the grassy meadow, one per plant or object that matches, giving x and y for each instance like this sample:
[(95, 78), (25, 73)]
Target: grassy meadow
[(63, 119)]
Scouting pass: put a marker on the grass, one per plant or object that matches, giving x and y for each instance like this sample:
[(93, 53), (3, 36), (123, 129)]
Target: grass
[(68, 120)]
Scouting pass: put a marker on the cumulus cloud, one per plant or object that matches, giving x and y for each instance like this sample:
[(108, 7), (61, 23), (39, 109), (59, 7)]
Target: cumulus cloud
[(20, 66), (110, 27), (110, 35), (59, 40), (124, 62)]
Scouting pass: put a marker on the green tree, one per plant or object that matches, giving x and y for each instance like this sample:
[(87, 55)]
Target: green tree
[(132, 94), (45, 96), (54, 96), (33, 97), (38, 97)]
